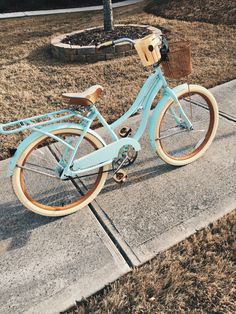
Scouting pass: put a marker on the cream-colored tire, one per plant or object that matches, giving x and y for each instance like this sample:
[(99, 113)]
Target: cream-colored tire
[(173, 145), (51, 196)]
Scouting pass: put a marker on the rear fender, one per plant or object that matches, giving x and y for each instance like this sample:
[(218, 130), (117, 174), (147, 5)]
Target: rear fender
[(36, 134)]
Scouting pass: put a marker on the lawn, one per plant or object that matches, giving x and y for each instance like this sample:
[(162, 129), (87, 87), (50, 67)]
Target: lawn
[(32, 82), (213, 11), (195, 276)]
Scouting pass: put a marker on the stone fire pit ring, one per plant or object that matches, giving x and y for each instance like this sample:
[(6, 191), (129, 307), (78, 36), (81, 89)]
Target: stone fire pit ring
[(89, 54)]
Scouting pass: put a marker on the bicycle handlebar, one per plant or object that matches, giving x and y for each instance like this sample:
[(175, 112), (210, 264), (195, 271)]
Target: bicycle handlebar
[(114, 42)]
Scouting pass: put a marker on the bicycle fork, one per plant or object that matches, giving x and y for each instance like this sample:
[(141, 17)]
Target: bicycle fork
[(187, 123)]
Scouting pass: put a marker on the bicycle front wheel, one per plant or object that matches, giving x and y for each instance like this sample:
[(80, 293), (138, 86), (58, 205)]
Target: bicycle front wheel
[(177, 145), (36, 179)]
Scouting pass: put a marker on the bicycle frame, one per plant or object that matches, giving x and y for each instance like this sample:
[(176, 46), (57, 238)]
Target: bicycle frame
[(154, 83), (105, 155)]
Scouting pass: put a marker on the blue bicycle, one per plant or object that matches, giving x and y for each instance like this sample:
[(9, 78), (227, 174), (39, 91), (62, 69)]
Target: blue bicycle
[(62, 166)]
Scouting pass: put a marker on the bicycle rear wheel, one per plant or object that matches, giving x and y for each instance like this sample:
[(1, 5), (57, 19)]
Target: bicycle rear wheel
[(177, 145), (36, 179)]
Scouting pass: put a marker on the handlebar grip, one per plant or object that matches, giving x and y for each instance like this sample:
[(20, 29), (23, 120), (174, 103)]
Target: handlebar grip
[(105, 45)]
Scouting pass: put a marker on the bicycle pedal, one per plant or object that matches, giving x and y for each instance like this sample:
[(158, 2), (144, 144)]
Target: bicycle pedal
[(120, 177), (125, 131)]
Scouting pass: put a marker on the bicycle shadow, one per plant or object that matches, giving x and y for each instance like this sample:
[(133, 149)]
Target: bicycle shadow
[(17, 223), (139, 175)]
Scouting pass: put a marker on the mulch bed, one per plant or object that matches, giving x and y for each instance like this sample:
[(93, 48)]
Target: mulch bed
[(97, 36)]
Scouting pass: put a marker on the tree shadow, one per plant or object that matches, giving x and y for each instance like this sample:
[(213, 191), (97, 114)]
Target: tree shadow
[(42, 55)]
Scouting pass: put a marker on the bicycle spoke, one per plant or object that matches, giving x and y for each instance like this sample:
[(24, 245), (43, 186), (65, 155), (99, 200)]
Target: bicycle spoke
[(37, 171), (172, 134), (197, 103), (39, 166), (199, 143)]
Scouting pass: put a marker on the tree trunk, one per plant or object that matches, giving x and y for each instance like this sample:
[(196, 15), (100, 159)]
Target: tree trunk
[(108, 15)]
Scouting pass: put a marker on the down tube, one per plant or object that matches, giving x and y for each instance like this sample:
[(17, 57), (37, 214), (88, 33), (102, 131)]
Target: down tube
[(145, 90), (145, 114)]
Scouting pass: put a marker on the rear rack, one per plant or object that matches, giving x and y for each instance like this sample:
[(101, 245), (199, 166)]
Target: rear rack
[(37, 121)]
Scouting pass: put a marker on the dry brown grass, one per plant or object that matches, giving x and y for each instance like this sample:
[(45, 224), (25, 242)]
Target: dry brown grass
[(31, 82), (196, 276), (210, 11)]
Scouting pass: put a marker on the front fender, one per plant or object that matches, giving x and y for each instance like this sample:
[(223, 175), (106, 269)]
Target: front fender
[(157, 111), (35, 135)]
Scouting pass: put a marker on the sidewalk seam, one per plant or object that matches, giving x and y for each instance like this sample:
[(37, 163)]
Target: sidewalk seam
[(124, 249)]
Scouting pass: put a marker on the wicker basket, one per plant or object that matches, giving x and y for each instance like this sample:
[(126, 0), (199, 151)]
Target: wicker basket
[(178, 63), (148, 49)]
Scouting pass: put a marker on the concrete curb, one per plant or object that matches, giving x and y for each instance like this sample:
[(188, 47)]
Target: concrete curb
[(182, 231), (60, 11)]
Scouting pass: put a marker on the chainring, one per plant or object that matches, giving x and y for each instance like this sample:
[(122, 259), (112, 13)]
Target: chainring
[(126, 152)]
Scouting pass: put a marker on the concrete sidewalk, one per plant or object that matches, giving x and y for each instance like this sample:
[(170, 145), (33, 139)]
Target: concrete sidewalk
[(46, 264), (45, 258), (60, 11), (160, 205)]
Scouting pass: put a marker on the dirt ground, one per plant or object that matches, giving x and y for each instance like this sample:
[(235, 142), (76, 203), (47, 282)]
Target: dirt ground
[(31, 82), (210, 11), (195, 276)]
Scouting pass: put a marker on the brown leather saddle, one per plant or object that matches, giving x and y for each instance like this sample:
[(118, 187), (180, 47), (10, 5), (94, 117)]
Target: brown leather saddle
[(86, 98)]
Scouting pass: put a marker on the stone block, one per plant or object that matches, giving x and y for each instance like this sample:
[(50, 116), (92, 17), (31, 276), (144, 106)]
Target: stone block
[(106, 50), (110, 56), (123, 47), (95, 58), (80, 58), (86, 50), (130, 53)]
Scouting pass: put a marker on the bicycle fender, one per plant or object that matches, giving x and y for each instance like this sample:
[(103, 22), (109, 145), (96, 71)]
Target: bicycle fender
[(157, 111), (35, 135)]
